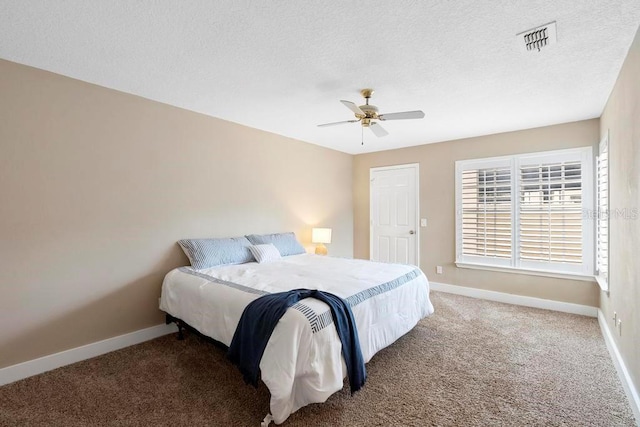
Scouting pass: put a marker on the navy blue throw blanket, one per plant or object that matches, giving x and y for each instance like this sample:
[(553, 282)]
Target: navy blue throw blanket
[(261, 316)]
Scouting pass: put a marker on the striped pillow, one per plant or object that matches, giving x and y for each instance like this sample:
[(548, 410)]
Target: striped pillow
[(207, 253), (286, 243), (265, 253)]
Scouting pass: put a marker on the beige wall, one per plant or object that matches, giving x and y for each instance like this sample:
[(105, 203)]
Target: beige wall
[(97, 186), (621, 118), (437, 204)]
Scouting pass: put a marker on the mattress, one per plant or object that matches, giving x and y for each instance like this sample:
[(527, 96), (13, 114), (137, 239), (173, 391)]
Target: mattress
[(302, 362)]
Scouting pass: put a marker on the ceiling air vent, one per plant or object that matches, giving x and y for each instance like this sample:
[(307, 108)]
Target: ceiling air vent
[(535, 39)]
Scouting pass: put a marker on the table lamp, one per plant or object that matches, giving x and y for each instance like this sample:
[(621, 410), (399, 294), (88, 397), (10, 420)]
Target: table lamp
[(321, 236)]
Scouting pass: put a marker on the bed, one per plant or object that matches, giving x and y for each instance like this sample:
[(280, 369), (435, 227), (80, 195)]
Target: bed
[(302, 363)]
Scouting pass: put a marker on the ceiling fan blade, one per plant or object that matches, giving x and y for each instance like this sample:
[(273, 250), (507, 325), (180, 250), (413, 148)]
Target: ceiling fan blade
[(353, 107), (402, 116), (337, 123), (378, 130)]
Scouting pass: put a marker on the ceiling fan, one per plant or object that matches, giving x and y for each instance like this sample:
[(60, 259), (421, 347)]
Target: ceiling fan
[(368, 116)]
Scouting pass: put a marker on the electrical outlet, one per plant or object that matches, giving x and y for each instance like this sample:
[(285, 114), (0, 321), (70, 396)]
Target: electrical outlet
[(619, 327), (438, 269)]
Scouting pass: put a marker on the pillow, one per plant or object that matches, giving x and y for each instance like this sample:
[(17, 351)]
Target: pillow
[(265, 253), (206, 253), (286, 243)]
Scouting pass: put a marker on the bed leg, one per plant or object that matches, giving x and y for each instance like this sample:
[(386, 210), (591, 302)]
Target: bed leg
[(180, 329), (170, 319)]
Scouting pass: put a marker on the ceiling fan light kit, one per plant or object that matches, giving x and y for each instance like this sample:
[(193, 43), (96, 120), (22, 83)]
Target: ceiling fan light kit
[(368, 116)]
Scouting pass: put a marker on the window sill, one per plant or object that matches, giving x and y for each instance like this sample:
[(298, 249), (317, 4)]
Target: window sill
[(604, 285), (555, 274)]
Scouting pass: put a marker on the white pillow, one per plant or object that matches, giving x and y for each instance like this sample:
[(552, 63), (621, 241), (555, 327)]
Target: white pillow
[(265, 253)]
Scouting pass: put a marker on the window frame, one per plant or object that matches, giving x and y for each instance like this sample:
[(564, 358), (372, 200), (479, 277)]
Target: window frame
[(603, 279), (583, 271)]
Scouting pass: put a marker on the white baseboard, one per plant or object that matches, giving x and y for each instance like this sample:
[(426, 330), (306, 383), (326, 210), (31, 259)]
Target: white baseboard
[(67, 357), (627, 384), (565, 307)]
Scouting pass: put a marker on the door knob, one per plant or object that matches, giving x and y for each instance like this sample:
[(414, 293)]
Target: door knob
[(412, 232)]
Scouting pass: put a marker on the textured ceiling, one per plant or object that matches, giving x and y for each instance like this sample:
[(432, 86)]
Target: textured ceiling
[(282, 66)]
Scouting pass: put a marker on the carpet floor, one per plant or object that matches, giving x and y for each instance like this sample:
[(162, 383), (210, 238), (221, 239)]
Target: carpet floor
[(472, 363)]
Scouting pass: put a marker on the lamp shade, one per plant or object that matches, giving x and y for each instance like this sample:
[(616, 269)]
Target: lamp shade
[(321, 235)]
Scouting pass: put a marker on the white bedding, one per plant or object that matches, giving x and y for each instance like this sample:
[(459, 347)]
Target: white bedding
[(302, 363)]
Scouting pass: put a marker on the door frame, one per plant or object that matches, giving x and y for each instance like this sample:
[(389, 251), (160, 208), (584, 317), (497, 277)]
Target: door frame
[(416, 167)]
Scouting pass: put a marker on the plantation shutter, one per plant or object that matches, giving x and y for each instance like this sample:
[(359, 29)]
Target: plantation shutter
[(550, 212), (602, 224), (529, 212), (486, 217)]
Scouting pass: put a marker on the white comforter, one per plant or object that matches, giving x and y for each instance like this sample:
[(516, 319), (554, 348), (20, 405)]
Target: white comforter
[(302, 363)]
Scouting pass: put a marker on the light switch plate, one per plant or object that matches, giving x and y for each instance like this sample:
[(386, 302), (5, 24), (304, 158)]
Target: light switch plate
[(423, 222)]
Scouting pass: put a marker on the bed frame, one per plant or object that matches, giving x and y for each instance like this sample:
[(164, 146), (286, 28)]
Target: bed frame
[(184, 326)]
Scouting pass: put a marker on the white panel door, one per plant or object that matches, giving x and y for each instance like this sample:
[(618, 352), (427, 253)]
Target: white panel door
[(394, 216)]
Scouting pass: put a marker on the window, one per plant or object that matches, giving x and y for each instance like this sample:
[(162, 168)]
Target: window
[(526, 212), (486, 212), (602, 223)]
